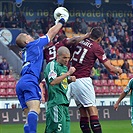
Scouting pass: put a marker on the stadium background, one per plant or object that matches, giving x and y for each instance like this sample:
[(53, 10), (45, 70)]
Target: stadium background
[(10, 111)]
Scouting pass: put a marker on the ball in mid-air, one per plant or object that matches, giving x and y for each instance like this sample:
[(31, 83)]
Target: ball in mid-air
[(60, 11)]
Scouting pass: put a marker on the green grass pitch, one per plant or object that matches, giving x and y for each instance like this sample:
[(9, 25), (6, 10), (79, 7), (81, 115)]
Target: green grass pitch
[(122, 126)]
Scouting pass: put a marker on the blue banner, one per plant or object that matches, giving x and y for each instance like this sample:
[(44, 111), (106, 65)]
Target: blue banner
[(88, 10)]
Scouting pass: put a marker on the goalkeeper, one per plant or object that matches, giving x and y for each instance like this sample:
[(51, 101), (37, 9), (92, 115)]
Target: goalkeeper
[(27, 89), (129, 88)]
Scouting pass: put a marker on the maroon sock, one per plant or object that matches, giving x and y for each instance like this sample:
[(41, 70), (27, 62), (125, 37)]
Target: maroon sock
[(95, 125), (84, 125)]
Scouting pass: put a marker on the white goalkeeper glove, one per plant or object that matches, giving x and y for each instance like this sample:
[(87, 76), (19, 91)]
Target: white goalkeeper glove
[(63, 19)]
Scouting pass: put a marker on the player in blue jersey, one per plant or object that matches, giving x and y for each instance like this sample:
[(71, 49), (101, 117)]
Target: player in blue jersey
[(128, 88), (27, 89)]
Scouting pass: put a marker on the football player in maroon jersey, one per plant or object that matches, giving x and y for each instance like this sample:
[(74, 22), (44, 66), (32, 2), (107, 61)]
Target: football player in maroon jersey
[(85, 53), (51, 49)]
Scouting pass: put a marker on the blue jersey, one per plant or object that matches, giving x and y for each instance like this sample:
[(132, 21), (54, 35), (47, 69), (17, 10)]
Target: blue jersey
[(33, 56)]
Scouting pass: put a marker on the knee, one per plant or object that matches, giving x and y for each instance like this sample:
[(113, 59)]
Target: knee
[(39, 110), (36, 110)]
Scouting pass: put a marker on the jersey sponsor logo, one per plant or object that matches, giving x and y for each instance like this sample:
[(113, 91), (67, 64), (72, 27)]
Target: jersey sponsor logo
[(52, 74), (64, 83)]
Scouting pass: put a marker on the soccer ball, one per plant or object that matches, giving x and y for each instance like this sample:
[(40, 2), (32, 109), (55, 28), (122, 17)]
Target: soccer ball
[(61, 11)]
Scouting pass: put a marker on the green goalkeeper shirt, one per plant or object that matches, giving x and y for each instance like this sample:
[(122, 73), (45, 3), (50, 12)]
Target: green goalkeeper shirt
[(56, 93)]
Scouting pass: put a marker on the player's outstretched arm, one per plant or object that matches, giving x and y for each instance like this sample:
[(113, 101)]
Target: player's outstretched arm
[(77, 39), (123, 94), (54, 30), (61, 16)]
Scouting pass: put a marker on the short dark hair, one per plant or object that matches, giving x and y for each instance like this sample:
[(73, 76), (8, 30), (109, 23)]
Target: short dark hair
[(61, 37), (96, 32)]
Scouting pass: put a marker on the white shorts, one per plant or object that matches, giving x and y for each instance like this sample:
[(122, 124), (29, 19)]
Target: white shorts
[(83, 92)]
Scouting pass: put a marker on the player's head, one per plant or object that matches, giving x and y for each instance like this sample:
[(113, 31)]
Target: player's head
[(23, 39), (63, 55), (61, 37), (96, 34)]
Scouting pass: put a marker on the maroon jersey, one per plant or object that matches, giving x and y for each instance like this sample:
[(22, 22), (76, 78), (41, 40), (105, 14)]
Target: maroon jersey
[(50, 50), (84, 56)]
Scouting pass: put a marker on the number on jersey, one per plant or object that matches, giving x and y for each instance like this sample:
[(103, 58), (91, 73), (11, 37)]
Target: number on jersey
[(81, 51), (52, 52)]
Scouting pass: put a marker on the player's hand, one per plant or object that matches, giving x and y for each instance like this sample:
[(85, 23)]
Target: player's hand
[(64, 17), (71, 70), (119, 70), (72, 78), (87, 35), (116, 106)]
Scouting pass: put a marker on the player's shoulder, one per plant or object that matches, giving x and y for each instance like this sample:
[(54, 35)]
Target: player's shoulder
[(44, 38), (51, 44), (52, 63), (61, 43), (97, 46)]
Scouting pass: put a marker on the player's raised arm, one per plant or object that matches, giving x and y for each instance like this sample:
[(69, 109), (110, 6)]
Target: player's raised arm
[(61, 16), (77, 39)]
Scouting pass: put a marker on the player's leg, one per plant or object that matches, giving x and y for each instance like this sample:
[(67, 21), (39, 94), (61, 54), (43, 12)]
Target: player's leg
[(84, 120), (32, 117), (53, 116), (81, 93), (84, 94), (94, 120), (29, 95), (56, 120), (67, 120), (32, 94), (26, 125), (50, 126), (21, 99)]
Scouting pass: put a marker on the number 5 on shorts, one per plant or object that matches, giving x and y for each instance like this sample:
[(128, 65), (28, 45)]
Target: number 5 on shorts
[(59, 127)]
